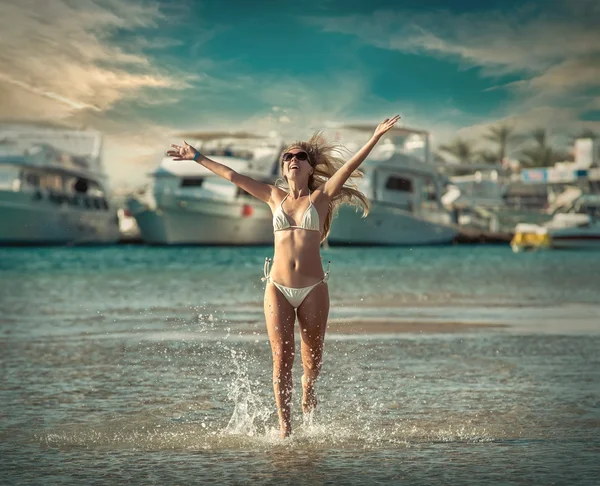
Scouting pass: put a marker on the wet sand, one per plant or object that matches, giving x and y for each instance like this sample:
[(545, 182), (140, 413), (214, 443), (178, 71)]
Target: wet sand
[(392, 326), (368, 325)]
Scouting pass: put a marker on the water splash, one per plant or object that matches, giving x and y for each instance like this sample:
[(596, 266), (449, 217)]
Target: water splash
[(250, 413)]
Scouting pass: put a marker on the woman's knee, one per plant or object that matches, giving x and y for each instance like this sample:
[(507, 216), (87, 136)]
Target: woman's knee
[(312, 361), (283, 356)]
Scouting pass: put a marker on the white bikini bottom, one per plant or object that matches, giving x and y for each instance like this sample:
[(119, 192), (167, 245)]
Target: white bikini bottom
[(295, 296)]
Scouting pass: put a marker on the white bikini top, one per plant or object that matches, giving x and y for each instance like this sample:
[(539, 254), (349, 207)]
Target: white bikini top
[(310, 219)]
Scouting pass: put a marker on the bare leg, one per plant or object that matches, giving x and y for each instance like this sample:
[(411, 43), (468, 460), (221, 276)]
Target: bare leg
[(280, 318), (312, 317)]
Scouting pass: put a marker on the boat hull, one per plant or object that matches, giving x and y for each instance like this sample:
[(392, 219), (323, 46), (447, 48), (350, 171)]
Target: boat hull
[(576, 238), (28, 221), (211, 223), (387, 225)]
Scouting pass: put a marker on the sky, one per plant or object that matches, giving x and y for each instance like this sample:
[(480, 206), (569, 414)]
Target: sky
[(143, 71)]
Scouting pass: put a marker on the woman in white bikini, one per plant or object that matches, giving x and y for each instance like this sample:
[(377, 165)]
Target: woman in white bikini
[(317, 182)]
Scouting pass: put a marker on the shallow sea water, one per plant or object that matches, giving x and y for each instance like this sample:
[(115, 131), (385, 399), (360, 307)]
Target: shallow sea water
[(151, 366)]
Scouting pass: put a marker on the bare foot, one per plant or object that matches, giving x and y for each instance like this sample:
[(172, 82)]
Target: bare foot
[(309, 398), (285, 425)]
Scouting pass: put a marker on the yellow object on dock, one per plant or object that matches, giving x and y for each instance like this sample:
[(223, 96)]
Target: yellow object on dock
[(530, 237)]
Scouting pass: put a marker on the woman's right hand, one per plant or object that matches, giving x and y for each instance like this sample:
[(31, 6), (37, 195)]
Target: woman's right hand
[(185, 152)]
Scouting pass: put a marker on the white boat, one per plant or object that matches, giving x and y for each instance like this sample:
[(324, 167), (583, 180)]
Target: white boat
[(488, 204), (575, 225), (405, 191), (53, 189), (187, 204), (574, 231)]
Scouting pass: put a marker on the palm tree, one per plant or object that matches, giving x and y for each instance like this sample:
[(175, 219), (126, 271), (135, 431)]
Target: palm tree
[(502, 135), (585, 133), (460, 149), (487, 156), (540, 155)]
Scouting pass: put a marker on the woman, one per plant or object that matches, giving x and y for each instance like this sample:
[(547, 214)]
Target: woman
[(296, 285)]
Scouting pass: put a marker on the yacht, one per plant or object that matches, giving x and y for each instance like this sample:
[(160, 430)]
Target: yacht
[(575, 225), (488, 203), (185, 203), (53, 189), (405, 191)]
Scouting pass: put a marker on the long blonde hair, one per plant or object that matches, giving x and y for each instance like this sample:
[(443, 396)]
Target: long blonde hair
[(325, 158)]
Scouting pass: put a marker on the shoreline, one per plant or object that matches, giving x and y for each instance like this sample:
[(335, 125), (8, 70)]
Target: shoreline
[(388, 325), (398, 326)]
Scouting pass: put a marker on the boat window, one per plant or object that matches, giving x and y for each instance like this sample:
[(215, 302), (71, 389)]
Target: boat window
[(9, 177), (592, 211), (51, 181), (31, 179), (57, 197), (402, 184), (429, 190), (192, 181), (81, 186)]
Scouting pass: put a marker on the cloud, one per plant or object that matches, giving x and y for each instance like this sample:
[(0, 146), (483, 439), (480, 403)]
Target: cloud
[(130, 158), (91, 63), (566, 76), (295, 106), (523, 40), (63, 51), (554, 47)]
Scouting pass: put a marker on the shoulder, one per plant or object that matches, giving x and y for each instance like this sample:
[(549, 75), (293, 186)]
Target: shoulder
[(320, 197), (319, 193), (277, 195)]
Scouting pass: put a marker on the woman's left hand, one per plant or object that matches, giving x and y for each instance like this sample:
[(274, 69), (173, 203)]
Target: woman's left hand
[(385, 125)]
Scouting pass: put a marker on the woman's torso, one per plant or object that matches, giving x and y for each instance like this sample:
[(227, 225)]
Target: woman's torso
[(297, 257)]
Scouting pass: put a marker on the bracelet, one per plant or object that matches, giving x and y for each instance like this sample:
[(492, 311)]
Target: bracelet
[(195, 159)]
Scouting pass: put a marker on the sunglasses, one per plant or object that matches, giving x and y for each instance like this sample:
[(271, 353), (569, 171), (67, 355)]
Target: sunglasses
[(299, 156)]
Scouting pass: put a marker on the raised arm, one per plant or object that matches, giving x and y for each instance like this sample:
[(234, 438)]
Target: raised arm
[(258, 189), (335, 183)]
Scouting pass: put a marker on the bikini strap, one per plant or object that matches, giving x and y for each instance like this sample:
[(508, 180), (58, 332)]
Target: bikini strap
[(281, 203), (266, 269), (326, 276)]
